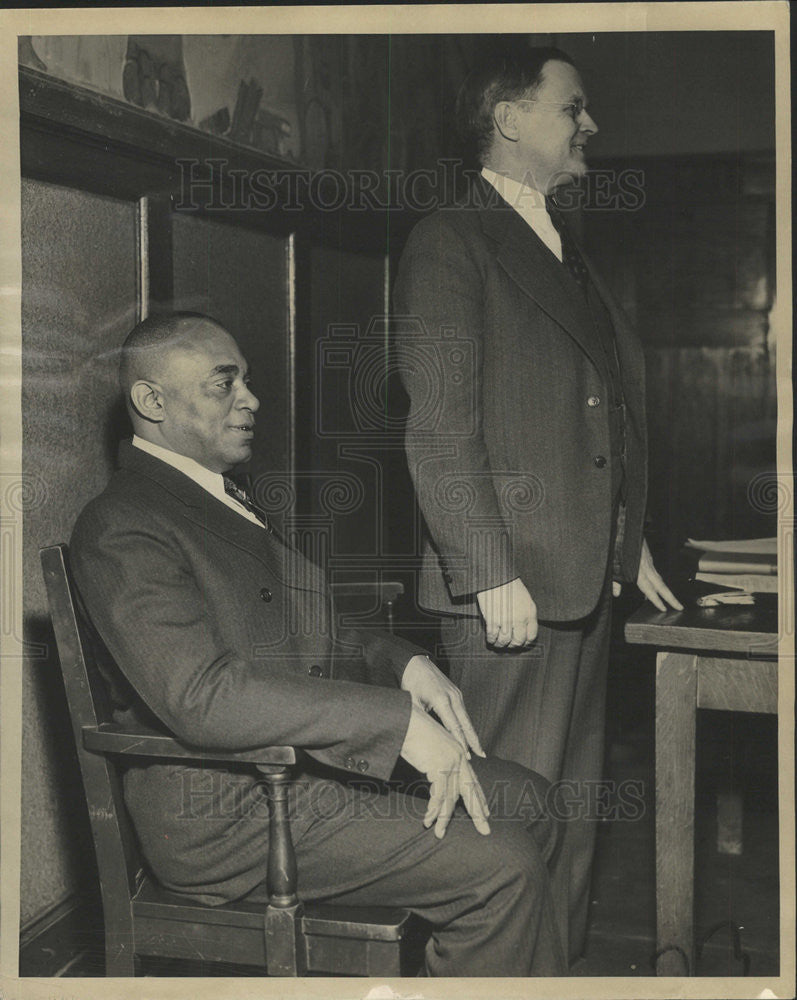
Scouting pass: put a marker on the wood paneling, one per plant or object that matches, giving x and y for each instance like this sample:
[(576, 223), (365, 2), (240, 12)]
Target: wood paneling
[(239, 277), (711, 421), (81, 286), (343, 351), (78, 303), (702, 275), (693, 264)]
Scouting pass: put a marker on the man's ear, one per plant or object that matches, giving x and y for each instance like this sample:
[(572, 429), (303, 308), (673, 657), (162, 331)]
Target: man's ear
[(147, 400), (505, 118)]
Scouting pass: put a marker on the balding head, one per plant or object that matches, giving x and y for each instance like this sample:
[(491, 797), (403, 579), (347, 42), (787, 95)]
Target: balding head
[(186, 386), (151, 345)]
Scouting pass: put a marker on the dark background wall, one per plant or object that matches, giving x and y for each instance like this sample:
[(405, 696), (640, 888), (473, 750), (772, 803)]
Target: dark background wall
[(678, 92), (693, 115), (692, 260)]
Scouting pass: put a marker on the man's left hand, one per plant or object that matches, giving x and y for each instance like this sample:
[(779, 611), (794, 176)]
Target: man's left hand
[(651, 584), (432, 691)]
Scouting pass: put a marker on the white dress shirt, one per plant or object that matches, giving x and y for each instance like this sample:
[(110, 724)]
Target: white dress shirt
[(212, 482), (530, 206)]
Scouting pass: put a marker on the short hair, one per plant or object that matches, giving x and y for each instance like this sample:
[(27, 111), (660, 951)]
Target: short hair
[(503, 75), (147, 344)]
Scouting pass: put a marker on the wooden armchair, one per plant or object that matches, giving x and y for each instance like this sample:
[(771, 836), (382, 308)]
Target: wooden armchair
[(286, 937)]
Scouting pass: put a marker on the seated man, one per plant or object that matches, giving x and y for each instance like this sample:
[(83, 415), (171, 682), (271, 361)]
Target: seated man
[(224, 637)]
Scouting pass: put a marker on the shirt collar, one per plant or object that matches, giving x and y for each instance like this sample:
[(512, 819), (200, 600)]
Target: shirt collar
[(213, 482), (529, 203), (520, 196)]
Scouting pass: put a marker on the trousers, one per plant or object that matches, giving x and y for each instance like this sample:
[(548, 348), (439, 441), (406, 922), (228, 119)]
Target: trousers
[(488, 898), (544, 707)]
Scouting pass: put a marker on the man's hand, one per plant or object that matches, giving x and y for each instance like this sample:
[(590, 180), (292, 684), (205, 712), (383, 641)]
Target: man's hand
[(510, 615), (432, 691), (652, 585), (435, 753)]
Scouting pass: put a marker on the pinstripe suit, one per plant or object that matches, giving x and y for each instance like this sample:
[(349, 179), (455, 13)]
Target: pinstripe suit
[(512, 465), (223, 636)]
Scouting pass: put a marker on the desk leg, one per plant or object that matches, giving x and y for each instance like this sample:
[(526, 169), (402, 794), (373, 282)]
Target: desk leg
[(676, 705)]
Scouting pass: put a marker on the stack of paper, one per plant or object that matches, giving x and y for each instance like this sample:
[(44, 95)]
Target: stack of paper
[(750, 565)]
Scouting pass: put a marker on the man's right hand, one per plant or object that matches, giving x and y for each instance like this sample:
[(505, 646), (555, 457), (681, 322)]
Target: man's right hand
[(510, 615), (433, 751)]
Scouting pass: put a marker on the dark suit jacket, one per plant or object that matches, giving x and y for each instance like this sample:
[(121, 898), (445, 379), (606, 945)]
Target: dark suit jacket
[(498, 352), (224, 637)]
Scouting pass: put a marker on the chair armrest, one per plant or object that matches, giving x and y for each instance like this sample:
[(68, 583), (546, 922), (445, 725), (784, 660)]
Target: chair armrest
[(284, 909), (110, 738)]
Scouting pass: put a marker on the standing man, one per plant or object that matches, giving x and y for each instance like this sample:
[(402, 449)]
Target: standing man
[(526, 442)]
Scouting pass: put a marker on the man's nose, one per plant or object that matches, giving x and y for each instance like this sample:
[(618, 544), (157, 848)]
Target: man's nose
[(247, 400), (586, 123)]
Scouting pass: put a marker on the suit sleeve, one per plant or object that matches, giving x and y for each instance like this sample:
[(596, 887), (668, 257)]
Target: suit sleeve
[(385, 655), (145, 602), (438, 300)]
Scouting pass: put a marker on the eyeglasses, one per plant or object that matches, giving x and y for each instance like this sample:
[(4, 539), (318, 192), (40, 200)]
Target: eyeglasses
[(574, 109)]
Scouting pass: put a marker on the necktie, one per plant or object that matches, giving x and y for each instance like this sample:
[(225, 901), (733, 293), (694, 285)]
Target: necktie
[(571, 258), (245, 501)]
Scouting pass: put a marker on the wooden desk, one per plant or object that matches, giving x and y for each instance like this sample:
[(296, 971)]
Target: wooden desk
[(721, 658)]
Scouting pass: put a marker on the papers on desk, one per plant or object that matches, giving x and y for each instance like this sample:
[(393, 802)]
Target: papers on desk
[(748, 565), (725, 597), (751, 546), (754, 583)]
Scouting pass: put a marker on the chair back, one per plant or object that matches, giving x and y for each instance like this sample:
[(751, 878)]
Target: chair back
[(79, 649)]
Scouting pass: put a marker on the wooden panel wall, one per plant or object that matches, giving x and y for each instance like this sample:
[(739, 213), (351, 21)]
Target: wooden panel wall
[(342, 349), (81, 284), (78, 303), (712, 414), (240, 277), (355, 496), (693, 263)]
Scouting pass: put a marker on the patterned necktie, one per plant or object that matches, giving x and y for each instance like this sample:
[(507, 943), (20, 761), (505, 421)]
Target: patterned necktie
[(571, 258), (245, 501)]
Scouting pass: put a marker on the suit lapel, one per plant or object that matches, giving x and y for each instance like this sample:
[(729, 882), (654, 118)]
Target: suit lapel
[(210, 514), (532, 266)]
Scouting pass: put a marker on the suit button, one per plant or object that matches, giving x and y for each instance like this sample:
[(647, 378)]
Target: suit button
[(315, 671), (349, 763), (265, 595), (362, 765), (599, 461), (448, 577), (593, 401)]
